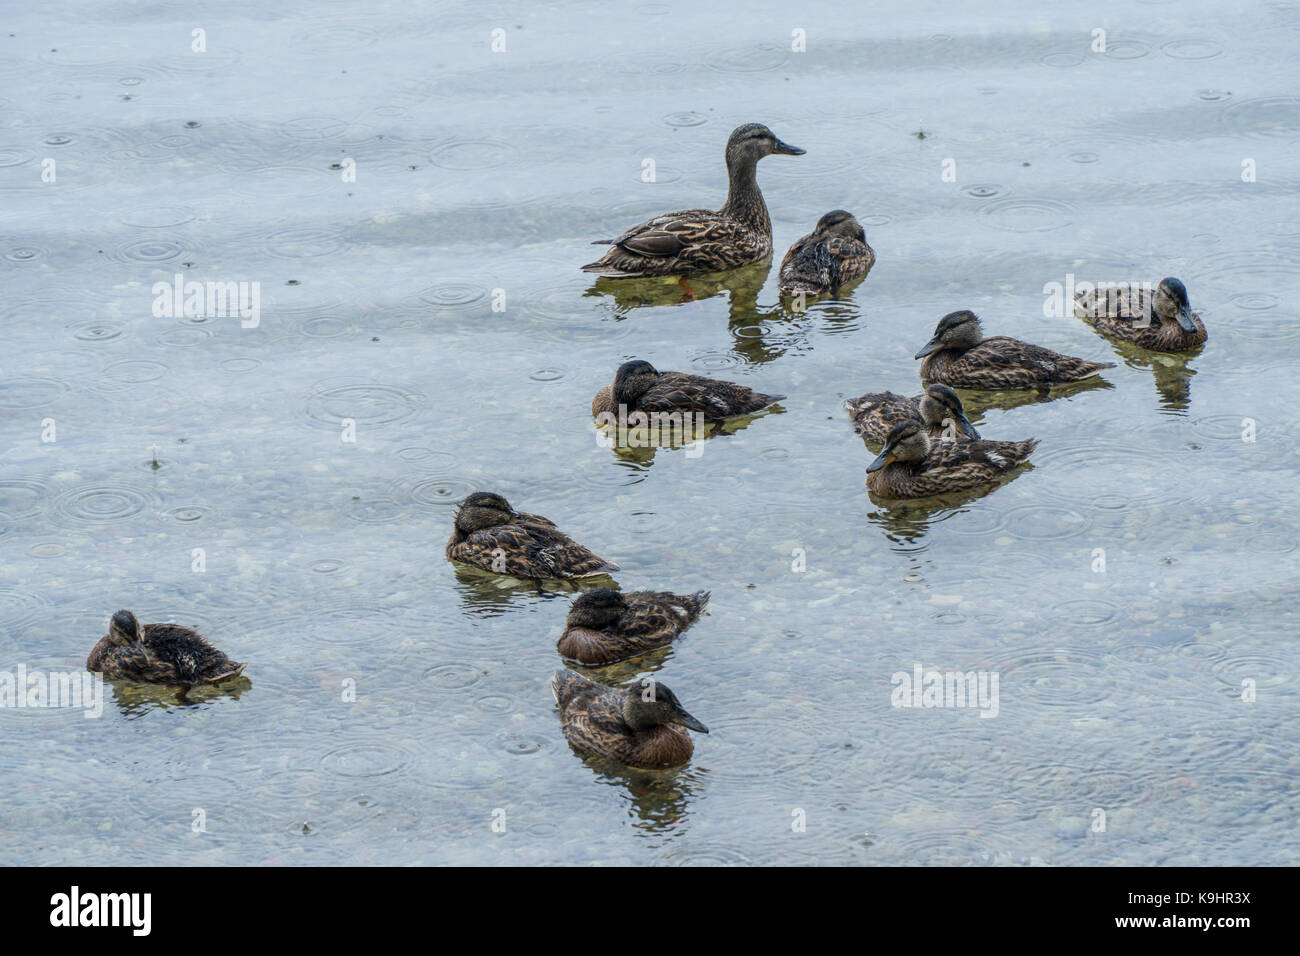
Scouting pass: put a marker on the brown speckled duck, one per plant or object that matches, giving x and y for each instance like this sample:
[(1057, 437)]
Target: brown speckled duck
[(159, 654), (835, 253), (700, 240), (640, 387), (605, 625), (958, 355), (643, 725), (1162, 321), (489, 534), (938, 407), (911, 466)]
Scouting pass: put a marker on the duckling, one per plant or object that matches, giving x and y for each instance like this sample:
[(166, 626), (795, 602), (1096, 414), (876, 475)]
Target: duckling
[(159, 654), (938, 407), (1162, 322), (489, 534), (960, 356), (909, 466), (643, 725), (833, 254), (640, 387), (606, 626), (700, 240)]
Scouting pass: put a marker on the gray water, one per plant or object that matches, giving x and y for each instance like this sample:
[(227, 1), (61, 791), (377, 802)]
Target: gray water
[(1121, 690)]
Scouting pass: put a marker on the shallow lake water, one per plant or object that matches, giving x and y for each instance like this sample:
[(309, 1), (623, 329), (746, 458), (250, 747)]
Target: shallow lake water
[(184, 442)]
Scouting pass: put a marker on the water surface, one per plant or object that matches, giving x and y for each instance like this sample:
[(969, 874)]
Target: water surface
[(477, 171)]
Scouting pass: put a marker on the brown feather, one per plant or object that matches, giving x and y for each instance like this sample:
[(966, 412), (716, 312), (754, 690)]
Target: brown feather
[(1002, 362)]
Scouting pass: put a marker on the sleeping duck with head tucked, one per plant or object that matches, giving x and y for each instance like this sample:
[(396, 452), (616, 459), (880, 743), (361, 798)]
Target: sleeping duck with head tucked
[(490, 534), (835, 253), (960, 356), (911, 466), (605, 625), (640, 387), (159, 654), (1162, 321), (938, 408), (642, 725), (701, 240)]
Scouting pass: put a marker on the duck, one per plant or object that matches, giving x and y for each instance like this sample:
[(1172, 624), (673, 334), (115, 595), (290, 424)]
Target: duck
[(640, 387), (642, 725), (605, 625), (1161, 321), (699, 240), (490, 534), (938, 407), (159, 654), (958, 355), (911, 466), (835, 253)]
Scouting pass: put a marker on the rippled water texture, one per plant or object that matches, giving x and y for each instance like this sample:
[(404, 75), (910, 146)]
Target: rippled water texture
[(436, 303)]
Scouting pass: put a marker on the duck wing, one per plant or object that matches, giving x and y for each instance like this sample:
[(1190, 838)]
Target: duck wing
[(528, 550), (847, 259), (714, 399), (655, 617), (693, 240), (193, 657), (1002, 362), (978, 460)]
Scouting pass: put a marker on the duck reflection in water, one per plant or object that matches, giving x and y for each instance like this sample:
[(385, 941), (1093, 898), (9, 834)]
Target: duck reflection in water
[(487, 594), (741, 285), (1171, 373)]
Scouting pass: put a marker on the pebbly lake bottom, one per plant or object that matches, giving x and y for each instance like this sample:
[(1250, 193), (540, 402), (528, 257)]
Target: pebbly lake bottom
[(1133, 591)]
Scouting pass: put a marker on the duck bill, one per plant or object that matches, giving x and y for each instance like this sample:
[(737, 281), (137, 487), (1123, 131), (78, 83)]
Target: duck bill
[(785, 149), (930, 346), (881, 461), (966, 427), (1185, 320), (686, 720)]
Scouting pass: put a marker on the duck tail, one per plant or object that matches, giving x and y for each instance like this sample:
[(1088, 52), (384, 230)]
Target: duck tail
[(565, 684), (228, 675), (701, 599), (607, 271), (1092, 368)]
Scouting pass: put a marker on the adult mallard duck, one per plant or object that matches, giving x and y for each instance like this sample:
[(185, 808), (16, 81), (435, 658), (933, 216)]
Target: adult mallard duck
[(639, 387), (605, 625), (910, 466), (833, 254), (700, 240), (489, 534), (642, 725), (960, 356), (159, 654), (938, 407), (1162, 321)]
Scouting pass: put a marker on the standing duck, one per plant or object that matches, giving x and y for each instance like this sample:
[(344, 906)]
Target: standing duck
[(159, 654), (639, 387), (960, 356), (910, 466), (606, 626), (833, 254), (938, 407), (1162, 321), (489, 534), (642, 725), (700, 240)]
